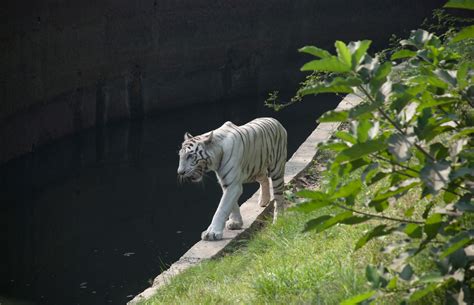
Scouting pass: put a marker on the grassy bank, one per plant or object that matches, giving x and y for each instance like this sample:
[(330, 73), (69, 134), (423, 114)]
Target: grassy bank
[(279, 265), (282, 265)]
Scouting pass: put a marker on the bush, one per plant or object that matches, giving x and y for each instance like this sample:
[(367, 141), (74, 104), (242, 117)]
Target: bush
[(412, 133)]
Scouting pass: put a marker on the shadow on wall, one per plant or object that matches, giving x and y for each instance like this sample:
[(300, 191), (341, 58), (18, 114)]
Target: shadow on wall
[(69, 65)]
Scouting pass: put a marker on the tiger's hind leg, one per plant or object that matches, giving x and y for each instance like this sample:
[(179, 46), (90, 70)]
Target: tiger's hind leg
[(235, 221), (264, 197), (278, 183)]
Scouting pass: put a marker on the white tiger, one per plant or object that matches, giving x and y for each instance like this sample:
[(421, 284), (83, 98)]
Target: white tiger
[(255, 151)]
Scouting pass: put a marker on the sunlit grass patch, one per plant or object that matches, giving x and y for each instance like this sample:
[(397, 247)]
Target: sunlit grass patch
[(282, 265), (279, 265)]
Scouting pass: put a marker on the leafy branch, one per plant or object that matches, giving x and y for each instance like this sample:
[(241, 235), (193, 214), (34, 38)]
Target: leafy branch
[(377, 215), (415, 120)]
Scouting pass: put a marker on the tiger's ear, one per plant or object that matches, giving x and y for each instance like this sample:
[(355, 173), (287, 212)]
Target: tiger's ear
[(187, 136), (208, 138)]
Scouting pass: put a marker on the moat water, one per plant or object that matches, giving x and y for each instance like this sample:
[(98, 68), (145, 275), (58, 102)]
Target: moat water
[(93, 218)]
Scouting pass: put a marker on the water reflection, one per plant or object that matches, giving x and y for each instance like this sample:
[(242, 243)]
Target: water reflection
[(94, 217)]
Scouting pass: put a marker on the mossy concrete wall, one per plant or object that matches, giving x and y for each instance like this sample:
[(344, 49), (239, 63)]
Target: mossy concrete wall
[(69, 65)]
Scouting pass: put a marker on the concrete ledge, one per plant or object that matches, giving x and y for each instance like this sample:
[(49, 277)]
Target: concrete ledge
[(250, 210)]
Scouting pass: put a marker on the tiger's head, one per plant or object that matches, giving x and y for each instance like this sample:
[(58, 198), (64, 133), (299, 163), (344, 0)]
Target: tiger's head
[(193, 158)]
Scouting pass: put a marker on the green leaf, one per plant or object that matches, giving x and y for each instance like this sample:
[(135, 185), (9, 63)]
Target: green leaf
[(427, 210), (351, 188), (406, 273), (392, 284), (380, 77), (465, 33), (429, 79), (449, 197), (468, 154), (343, 53), (465, 204), (358, 298), (432, 225), (402, 54), (333, 179), (405, 94), (463, 132), (309, 206), (314, 223), (337, 85), (370, 171), (413, 230), (315, 51), (402, 177), (334, 146), (418, 39), (428, 125), (373, 276), (355, 220), (461, 172), (449, 77), (379, 230), (359, 150), (438, 150), (379, 205), (364, 108), (418, 294), (409, 212), (334, 116), (465, 4), (438, 101), (363, 128), (383, 71), (345, 136), (358, 50), (397, 190), (456, 246), (432, 278), (357, 163), (462, 73), (379, 176), (320, 225), (330, 64)]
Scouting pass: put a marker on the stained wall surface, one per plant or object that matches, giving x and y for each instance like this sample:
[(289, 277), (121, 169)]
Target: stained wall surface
[(68, 65)]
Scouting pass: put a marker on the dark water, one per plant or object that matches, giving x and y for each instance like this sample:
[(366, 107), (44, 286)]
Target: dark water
[(91, 219)]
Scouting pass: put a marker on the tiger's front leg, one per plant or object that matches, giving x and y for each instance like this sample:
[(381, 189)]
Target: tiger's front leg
[(230, 196), (235, 221)]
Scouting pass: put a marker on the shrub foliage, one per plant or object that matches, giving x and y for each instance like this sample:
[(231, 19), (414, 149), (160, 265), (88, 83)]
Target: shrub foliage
[(412, 134)]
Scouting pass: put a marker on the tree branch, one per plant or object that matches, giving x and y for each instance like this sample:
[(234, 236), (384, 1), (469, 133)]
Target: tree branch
[(397, 164), (388, 118), (468, 99), (413, 170), (377, 216)]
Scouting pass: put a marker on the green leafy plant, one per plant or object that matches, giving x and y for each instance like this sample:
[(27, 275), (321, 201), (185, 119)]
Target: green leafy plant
[(411, 134)]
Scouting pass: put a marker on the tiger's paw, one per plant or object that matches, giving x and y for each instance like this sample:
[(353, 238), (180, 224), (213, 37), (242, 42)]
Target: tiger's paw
[(210, 234), (233, 224), (263, 201)]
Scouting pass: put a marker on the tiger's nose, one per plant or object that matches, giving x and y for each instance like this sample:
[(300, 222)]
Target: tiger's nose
[(180, 171)]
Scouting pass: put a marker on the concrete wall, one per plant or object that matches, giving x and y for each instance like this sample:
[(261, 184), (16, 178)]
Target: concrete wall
[(68, 65)]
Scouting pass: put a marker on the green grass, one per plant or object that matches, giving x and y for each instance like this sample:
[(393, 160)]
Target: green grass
[(279, 265), (282, 265)]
